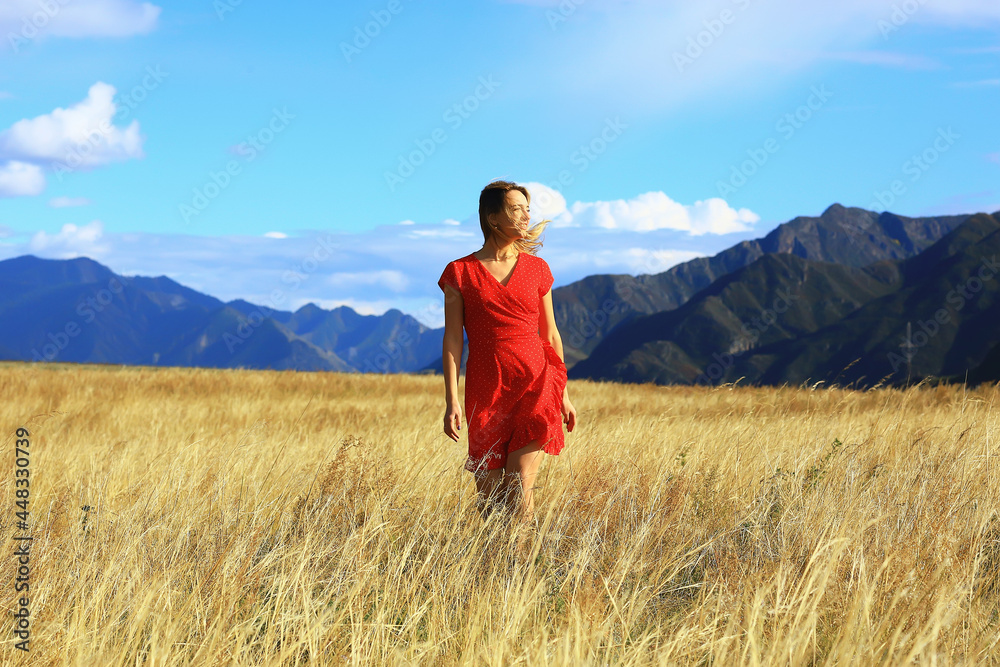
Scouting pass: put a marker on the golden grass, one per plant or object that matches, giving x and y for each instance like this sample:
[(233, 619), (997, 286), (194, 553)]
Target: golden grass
[(243, 517)]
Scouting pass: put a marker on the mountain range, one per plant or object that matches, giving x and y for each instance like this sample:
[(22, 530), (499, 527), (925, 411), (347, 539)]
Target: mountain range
[(79, 310), (589, 308), (785, 319), (848, 297)]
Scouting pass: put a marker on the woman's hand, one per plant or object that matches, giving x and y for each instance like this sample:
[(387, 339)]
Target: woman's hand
[(453, 421), (569, 413)]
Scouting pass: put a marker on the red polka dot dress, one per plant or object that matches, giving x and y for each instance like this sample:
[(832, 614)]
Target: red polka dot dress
[(514, 380)]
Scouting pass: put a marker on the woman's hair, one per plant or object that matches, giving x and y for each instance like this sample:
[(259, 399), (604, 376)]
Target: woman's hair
[(493, 199)]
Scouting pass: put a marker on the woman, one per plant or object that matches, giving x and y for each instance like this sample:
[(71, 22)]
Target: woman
[(515, 382)]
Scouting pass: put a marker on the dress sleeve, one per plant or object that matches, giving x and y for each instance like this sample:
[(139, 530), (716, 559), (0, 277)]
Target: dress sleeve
[(450, 276), (546, 280)]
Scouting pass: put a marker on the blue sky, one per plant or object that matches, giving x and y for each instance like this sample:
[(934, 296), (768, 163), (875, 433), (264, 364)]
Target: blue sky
[(247, 150)]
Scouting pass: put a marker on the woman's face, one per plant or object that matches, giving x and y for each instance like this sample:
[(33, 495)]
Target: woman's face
[(516, 224)]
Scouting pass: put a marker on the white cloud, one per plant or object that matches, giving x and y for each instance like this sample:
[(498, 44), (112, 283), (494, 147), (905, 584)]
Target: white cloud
[(547, 204), (69, 202), (407, 222), (395, 281), (28, 19), (715, 216), (443, 233), (19, 179), (396, 265), (647, 212), (84, 135), (276, 235), (644, 260), (71, 241)]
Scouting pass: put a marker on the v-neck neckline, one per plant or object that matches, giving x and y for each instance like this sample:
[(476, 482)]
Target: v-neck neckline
[(510, 276)]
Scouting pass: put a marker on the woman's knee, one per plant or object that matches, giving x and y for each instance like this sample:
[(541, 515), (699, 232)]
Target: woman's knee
[(490, 482), (524, 462)]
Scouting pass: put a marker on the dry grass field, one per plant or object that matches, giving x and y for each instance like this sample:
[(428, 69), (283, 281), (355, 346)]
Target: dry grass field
[(186, 516)]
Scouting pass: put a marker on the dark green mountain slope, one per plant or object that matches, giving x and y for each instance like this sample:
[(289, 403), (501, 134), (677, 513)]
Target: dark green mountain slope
[(842, 324), (589, 308), (942, 322), (775, 299)]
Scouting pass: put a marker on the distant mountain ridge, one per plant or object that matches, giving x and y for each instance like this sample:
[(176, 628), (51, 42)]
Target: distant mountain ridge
[(79, 310), (847, 236), (835, 323), (818, 298)]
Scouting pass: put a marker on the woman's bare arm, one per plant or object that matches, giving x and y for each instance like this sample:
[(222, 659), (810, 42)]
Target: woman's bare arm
[(548, 331), (547, 326), (451, 353)]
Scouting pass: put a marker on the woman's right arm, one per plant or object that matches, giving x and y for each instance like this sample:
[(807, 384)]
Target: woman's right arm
[(451, 353)]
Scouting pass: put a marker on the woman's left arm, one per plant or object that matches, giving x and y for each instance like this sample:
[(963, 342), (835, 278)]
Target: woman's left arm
[(547, 328), (548, 331), (547, 325)]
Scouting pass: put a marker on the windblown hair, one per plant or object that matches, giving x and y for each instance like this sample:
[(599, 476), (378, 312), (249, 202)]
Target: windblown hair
[(493, 199)]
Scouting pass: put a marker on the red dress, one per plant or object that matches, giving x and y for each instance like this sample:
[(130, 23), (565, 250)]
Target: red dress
[(514, 380)]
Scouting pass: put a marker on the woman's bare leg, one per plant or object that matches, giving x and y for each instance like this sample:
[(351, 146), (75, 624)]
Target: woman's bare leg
[(521, 471), (490, 491)]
